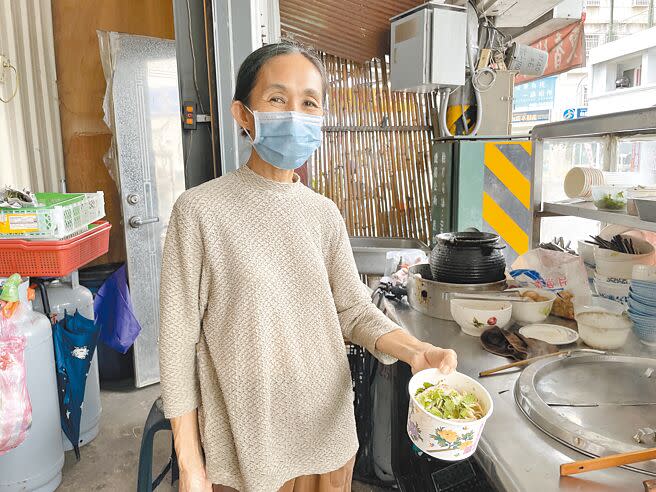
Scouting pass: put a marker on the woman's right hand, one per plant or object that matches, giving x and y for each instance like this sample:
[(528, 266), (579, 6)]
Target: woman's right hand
[(194, 480)]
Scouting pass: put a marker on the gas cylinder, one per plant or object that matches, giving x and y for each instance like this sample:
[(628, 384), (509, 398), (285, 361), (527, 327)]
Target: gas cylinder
[(37, 463), (68, 297)]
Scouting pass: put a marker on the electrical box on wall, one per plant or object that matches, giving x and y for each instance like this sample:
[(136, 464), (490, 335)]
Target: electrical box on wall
[(428, 48), (498, 101)]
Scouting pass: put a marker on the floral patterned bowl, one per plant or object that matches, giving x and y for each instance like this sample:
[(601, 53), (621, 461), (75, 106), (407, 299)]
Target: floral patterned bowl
[(475, 316), (448, 440)]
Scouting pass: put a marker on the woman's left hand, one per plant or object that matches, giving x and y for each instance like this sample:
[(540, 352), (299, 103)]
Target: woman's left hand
[(430, 357)]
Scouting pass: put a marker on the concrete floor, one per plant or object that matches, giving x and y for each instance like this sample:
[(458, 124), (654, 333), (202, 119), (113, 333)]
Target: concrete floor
[(110, 462)]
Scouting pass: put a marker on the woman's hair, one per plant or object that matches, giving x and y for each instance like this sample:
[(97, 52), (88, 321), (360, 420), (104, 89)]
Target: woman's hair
[(250, 68)]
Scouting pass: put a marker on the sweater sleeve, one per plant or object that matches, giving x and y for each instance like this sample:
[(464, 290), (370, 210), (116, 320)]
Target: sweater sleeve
[(180, 317), (361, 321)]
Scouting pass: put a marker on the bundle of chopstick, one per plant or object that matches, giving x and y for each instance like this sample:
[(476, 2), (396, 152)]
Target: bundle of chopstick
[(618, 243)]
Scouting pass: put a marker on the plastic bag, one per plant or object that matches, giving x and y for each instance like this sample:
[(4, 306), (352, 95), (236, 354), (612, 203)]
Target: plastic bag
[(15, 405), (398, 261), (119, 327), (558, 272)]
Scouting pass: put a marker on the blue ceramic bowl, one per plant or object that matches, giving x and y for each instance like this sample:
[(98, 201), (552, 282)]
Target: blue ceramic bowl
[(647, 300), (643, 319), (645, 289), (646, 334), (641, 308)]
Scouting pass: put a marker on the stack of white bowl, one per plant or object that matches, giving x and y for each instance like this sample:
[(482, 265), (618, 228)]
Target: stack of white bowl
[(613, 270), (579, 181)]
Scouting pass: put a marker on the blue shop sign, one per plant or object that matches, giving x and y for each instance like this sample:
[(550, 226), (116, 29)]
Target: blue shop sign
[(537, 94)]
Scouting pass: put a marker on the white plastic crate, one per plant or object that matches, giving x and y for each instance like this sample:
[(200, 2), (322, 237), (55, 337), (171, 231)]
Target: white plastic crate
[(59, 216)]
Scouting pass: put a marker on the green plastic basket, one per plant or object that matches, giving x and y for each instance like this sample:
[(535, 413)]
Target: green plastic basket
[(58, 215)]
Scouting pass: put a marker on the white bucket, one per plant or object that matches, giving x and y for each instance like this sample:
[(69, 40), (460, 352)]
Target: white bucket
[(527, 60), (448, 440)]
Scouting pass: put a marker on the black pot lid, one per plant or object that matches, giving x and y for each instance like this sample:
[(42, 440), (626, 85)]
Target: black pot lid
[(468, 237)]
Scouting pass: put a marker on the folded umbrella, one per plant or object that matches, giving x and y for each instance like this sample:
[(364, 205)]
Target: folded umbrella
[(75, 338)]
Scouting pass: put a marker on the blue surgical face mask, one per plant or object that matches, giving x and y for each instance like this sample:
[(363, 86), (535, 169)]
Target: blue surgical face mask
[(286, 139)]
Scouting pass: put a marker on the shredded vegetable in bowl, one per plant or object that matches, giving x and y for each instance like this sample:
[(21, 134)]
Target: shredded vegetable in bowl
[(448, 403)]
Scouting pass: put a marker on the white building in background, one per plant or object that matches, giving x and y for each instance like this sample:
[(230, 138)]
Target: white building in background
[(622, 74), (572, 90)]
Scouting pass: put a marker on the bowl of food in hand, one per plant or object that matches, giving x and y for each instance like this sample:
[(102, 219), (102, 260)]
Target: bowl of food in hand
[(612, 198), (475, 316), (534, 307), (447, 414)]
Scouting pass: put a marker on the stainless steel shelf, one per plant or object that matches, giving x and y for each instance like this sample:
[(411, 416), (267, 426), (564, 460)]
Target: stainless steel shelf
[(587, 210)]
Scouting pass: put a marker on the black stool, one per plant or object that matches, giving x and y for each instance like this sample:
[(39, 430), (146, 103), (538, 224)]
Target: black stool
[(154, 423)]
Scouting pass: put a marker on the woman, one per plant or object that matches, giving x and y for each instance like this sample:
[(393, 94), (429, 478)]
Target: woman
[(259, 290)]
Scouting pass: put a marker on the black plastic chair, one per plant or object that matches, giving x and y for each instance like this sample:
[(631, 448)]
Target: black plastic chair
[(154, 423)]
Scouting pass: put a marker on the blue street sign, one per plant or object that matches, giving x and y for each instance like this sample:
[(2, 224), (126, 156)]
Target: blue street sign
[(575, 113)]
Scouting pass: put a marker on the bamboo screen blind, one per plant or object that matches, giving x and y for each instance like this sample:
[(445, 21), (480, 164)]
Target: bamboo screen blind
[(375, 162)]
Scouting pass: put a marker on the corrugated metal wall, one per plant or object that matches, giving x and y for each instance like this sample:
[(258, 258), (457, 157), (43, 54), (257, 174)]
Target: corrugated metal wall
[(30, 132), (357, 30)]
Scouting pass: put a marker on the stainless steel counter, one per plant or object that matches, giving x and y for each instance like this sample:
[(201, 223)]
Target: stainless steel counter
[(515, 454)]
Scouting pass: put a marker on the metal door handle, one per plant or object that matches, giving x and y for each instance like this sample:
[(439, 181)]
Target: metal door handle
[(137, 222)]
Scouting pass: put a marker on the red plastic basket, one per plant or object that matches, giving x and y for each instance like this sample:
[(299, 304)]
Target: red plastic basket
[(53, 258)]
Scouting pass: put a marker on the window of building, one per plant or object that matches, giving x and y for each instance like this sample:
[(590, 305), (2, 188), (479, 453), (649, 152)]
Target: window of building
[(629, 73), (641, 3), (593, 3), (584, 95), (591, 41)]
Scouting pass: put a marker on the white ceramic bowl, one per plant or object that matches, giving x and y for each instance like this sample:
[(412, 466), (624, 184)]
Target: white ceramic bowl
[(646, 273), (612, 291), (620, 265), (533, 312), (448, 440), (603, 330), (474, 316), (586, 252)]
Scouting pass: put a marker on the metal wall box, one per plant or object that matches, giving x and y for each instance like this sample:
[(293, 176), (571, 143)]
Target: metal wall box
[(428, 48), (497, 104)]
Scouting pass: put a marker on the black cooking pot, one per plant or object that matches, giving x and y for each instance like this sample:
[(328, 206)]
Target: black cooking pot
[(470, 257)]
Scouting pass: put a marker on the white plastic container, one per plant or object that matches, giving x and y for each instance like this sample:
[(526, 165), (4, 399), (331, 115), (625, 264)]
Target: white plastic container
[(646, 208), (603, 330), (36, 465), (639, 193), (63, 297), (599, 304), (448, 440), (611, 198)]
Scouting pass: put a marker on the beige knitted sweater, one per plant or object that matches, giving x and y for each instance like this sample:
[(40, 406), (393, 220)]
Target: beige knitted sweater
[(259, 289)]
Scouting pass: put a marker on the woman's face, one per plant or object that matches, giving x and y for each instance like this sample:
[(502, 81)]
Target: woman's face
[(284, 83)]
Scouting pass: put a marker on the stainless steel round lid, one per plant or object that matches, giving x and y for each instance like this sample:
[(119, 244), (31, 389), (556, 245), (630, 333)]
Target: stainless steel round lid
[(592, 403)]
